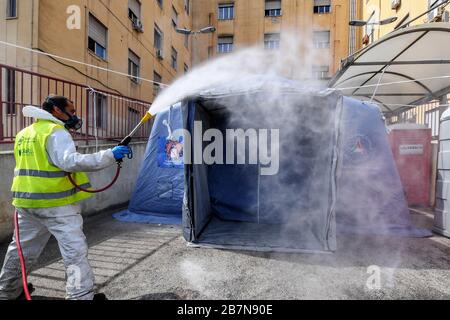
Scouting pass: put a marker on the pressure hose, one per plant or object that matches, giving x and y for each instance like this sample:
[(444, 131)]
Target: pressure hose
[(119, 167), (125, 142), (21, 257)]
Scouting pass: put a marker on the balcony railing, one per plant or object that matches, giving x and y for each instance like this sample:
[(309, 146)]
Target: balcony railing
[(109, 116), (428, 115)]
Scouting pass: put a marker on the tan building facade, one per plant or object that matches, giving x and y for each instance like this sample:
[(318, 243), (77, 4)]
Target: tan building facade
[(244, 23), (139, 36), (404, 10), (129, 36)]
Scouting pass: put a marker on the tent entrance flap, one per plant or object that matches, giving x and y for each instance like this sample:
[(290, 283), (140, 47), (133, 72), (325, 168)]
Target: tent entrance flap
[(237, 206)]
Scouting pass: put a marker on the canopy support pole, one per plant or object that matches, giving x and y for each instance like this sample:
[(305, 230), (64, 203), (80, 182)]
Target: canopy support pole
[(378, 85)]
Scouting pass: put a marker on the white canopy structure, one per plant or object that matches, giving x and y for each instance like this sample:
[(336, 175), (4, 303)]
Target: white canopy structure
[(410, 66)]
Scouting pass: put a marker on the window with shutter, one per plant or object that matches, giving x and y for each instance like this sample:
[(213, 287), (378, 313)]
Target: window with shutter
[(156, 85), (321, 72), (225, 44), (134, 10), (187, 6), (133, 66), (273, 8), (322, 6), (321, 39), (10, 90), (226, 11), (98, 110), (158, 38), (186, 40), (272, 41), (174, 17), (98, 37), (174, 58), (11, 9)]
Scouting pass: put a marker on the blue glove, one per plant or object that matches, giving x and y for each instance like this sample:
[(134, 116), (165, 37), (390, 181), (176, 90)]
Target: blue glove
[(121, 151)]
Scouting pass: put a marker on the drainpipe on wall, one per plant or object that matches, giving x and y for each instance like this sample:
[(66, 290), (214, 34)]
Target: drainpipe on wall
[(34, 59), (335, 36), (379, 19)]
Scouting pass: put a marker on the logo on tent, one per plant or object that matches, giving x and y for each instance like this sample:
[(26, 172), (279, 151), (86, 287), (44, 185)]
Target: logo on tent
[(358, 149), (170, 153)]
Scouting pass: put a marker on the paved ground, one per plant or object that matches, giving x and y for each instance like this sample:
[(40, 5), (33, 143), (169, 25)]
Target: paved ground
[(148, 262)]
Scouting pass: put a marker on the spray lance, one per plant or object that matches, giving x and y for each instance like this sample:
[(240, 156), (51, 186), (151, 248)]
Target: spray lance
[(126, 141)]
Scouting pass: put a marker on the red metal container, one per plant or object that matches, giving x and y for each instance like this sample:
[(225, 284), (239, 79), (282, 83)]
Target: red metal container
[(411, 146)]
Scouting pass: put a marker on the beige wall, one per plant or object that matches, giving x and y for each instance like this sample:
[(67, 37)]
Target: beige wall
[(250, 25), (47, 24), (22, 31), (55, 37), (383, 10), (45, 21)]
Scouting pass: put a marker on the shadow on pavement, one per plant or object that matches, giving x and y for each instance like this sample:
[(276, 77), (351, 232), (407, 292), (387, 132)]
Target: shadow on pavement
[(159, 296)]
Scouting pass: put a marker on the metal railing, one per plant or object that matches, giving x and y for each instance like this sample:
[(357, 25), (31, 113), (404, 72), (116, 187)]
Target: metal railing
[(106, 115), (427, 114)]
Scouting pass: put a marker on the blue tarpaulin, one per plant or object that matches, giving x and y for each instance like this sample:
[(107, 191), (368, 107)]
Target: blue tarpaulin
[(159, 189), (370, 198)]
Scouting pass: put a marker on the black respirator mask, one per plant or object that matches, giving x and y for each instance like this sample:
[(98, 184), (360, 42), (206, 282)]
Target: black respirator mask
[(73, 122)]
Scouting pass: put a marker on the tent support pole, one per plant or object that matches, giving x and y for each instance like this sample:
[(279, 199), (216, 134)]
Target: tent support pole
[(379, 81)]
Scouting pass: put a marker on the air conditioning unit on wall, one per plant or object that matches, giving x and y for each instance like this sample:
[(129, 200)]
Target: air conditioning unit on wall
[(439, 15), (395, 4), (159, 54), (137, 25)]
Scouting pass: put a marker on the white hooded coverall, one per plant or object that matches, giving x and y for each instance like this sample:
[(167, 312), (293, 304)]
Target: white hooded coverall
[(64, 223)]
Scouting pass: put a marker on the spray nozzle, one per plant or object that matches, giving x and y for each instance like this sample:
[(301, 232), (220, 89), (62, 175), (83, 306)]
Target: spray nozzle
[(126, 141)]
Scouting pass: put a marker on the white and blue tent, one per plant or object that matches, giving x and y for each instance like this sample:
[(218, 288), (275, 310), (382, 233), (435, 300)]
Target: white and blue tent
[(336, 172)]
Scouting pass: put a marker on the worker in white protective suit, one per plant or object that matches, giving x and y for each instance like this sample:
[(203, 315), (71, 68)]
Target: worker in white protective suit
[(46, 201)]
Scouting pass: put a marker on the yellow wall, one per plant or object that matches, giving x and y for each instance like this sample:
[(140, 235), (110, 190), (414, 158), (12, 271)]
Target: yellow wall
[(56, 38), (22, 31), (250, 25), (45, 21), (383, 10), (51, 35)]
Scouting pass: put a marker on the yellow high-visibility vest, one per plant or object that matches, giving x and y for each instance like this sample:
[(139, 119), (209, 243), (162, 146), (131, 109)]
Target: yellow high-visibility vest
[(37, 183)]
